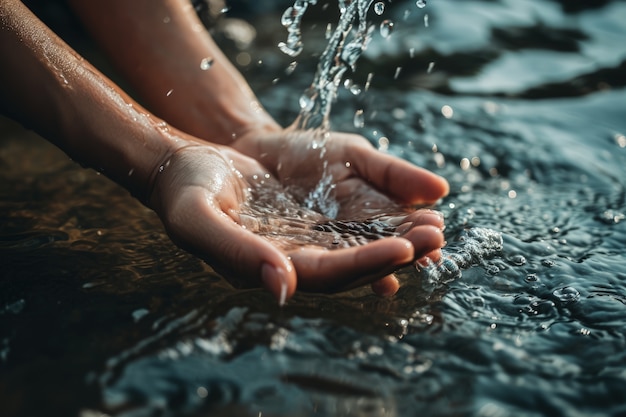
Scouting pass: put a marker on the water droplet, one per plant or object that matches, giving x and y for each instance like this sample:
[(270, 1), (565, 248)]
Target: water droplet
[(566, 294), (307, 100), (288, 17), (291, 68), (355, 89), (292, 51), (379, 8), (447, 111), (397, 73), (359, 119), (420, 3), (383, 143), (169, 93), (386, 27), (368, 82), (329, 31), (426, 20), (431, 65), (206, 63)]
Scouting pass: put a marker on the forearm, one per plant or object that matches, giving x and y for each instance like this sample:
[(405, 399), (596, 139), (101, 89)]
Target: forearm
[(159, 46), (48, 87)]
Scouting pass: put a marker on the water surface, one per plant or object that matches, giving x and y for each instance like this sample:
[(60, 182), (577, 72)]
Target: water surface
[(522, 110)]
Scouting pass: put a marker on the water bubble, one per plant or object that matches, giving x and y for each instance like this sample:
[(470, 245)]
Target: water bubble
[(532, 278), (379, 8), (386, 27), (206, 63), (359, 119), (420, 3), (540, 308), (518, 260), (566, 294)]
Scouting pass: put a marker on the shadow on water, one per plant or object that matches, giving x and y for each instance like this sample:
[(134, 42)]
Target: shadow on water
[(522, 111)]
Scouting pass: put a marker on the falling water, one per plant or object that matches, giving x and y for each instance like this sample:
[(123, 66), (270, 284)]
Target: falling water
[(345, 46)]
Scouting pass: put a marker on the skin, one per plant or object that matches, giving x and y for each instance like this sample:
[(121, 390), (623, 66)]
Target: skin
[(193, 156)]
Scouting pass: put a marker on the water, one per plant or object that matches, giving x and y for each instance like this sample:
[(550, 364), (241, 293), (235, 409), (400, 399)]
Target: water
[(522, 112)]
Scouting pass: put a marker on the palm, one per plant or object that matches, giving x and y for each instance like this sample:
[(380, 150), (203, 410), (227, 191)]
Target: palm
[(240, 215)]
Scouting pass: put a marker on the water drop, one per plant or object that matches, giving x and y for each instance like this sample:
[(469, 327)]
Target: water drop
[(447, 111), (420, 3), (355, 89), (397, 73), (359, 119), (169, 93), (426, 20), (431, 65), (386, 27), (379, 8), (291, 68), (206, 63), (368, 82), (307, 100)]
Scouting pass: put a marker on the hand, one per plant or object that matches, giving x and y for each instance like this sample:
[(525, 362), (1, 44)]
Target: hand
[(205, 197)]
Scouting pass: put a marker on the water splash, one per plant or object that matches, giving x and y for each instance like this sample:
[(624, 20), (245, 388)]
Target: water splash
[(470, 248), (346, 44)]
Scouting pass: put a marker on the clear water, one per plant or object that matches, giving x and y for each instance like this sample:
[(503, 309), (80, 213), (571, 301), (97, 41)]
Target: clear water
[(519, 103)]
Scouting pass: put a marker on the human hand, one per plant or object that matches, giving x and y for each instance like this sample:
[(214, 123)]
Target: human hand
[(207, 200), (365, 182)]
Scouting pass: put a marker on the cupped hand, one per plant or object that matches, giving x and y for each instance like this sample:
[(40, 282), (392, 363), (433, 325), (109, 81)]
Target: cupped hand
[(365, 180), (214, 203)]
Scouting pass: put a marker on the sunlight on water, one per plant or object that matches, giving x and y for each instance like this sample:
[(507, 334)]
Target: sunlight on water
[(110, 318)]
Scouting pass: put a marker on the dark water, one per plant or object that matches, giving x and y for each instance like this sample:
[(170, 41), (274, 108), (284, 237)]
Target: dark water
[(99, 312)]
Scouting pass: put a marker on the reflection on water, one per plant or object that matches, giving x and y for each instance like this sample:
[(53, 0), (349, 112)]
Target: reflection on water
[(100, 312)]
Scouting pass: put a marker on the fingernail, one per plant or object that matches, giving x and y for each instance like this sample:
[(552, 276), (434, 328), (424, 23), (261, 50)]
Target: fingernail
[(275, 279)]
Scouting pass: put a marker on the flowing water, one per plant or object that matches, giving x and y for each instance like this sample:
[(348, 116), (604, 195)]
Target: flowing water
[(519, 103)]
